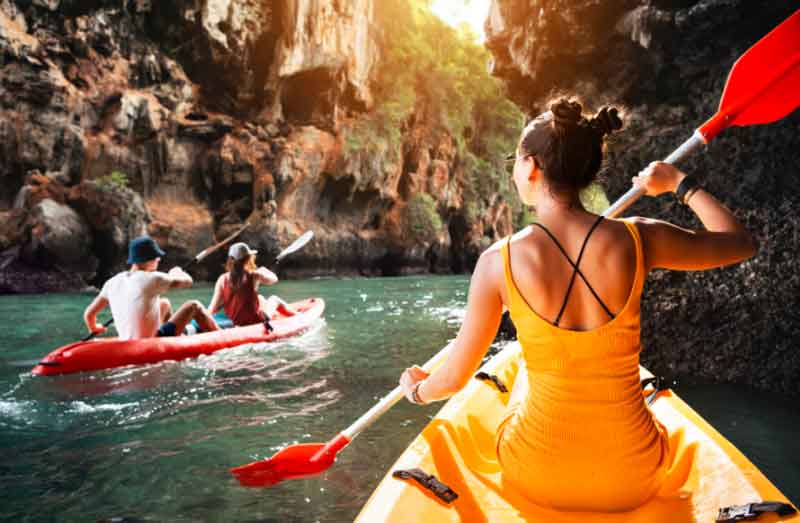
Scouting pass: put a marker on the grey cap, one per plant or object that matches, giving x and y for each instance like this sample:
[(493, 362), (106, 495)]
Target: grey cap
[(240, 250)]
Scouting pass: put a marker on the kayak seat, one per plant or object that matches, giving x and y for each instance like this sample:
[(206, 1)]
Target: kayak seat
[(706, 473)]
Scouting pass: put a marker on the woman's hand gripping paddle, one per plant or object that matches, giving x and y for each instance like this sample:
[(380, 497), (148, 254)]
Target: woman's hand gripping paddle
[(763, 86), (309, 459), (197, 259)]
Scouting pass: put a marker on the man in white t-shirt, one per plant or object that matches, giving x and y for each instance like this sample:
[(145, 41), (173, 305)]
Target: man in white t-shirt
[(134, 295)]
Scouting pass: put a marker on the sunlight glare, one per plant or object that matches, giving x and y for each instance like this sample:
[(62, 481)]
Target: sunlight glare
[(457, 12)]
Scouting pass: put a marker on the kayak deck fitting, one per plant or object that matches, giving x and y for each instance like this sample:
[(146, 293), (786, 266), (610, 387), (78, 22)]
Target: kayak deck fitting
[(458, 449), (105, 353)]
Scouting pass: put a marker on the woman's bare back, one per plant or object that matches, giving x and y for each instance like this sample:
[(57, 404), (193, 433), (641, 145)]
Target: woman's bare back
[(542, 273)]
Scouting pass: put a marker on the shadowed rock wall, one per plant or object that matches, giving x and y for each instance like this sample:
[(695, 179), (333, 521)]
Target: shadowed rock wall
[(665, 62)]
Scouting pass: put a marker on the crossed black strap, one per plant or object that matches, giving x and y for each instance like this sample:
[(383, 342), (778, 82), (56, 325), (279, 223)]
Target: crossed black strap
[(752, 511), (577, 271), (428, 482)]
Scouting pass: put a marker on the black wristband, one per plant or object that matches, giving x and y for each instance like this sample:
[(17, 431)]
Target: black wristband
[(688, 183)]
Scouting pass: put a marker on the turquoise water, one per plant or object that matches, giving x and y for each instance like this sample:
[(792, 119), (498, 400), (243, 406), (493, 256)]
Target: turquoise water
[(155, 443)]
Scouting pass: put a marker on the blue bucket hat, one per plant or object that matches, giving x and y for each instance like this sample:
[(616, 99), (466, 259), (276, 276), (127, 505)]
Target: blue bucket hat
[(143, 249)]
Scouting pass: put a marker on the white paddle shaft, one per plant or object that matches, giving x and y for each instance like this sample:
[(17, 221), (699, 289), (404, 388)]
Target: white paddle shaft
[(634, 193), (388, 401)]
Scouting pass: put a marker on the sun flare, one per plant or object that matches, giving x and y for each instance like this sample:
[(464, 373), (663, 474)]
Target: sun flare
[(457, 12)]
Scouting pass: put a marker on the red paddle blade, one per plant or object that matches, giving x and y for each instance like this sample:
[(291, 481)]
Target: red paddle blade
[(293, 462), (764, 83)]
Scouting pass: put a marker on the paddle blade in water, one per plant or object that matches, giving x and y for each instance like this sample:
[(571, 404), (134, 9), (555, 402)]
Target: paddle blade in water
[(293, 462), (764, 84)]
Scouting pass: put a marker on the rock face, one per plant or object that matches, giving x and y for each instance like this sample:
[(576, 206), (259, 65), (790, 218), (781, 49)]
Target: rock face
[(116, 215), (60, 234), (77, 234), (298, 60), (185, 119), (665, 62)]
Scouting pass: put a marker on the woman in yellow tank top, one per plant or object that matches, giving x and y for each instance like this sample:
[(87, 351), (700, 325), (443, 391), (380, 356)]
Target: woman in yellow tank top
[(578, 435)]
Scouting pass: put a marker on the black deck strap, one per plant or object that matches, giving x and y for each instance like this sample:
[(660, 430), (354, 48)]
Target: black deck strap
[(268, 325), (49, 363), (655, 381), (429, 482), (484, 376), (752, 511)]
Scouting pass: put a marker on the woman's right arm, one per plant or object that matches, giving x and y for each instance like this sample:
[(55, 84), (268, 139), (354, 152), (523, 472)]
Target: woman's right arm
[(723, 242)]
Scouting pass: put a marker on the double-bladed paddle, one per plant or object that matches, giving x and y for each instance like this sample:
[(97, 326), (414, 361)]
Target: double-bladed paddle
[(763, 86)]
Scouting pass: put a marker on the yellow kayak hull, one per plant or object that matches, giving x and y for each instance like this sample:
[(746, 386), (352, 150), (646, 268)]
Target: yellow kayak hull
[(458, 447)]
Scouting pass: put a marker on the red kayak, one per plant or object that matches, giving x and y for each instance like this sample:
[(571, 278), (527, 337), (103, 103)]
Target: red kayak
[(106, 353)]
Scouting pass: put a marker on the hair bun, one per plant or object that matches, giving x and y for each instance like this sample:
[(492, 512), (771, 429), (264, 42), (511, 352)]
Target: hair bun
[(606, 121), (566, 112)]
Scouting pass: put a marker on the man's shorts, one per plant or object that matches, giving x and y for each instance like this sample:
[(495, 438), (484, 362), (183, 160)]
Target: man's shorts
[(166, 330)]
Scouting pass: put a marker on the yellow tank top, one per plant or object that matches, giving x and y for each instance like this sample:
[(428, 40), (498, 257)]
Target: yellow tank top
[(582, 438)]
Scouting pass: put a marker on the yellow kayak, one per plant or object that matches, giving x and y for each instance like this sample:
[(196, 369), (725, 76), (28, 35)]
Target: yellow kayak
[(458, 449)]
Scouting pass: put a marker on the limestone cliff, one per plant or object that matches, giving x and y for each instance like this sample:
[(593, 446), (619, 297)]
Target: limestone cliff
[(184, 119), (665, 62)]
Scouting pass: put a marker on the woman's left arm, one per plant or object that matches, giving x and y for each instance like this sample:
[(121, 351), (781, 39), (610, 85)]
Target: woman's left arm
[(482, 318)]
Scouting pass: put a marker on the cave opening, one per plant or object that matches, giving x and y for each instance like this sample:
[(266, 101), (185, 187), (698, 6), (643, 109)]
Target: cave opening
[(334, 198), (307, 96)]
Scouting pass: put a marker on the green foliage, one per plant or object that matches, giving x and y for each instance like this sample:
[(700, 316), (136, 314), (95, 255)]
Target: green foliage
[(472, 211), (484, 182), (594, 199), (115, 179), (524, 217), (447, 73), (423, 219), (433, 73)]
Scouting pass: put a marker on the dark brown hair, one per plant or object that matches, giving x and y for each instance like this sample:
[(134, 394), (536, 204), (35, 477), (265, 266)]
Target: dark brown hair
[(569, 147), (238, 269)]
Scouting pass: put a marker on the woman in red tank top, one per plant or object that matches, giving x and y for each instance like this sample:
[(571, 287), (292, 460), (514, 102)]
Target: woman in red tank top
[(236, 291)]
